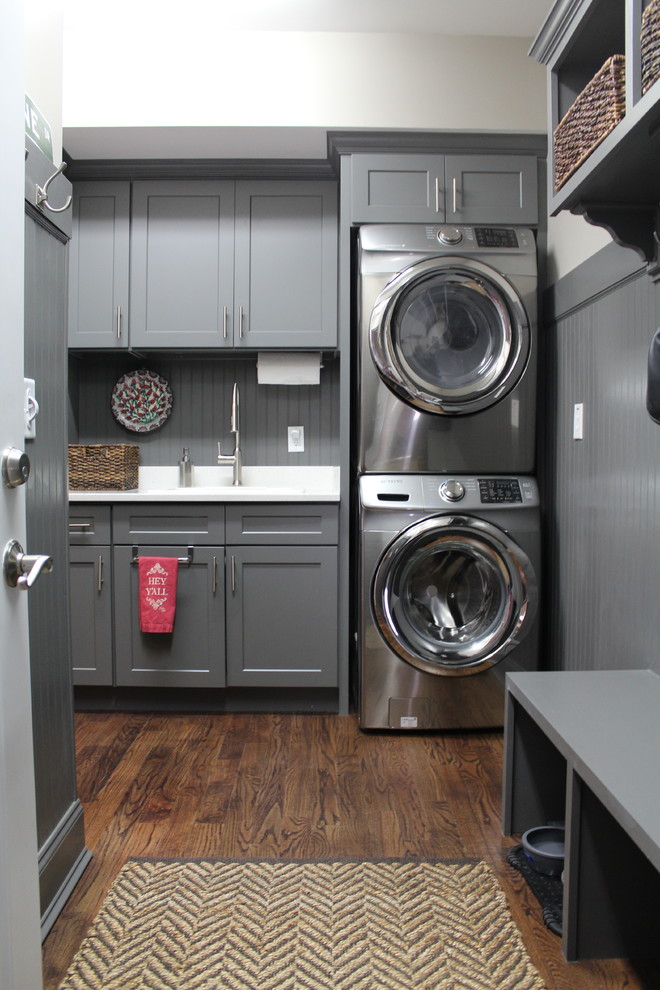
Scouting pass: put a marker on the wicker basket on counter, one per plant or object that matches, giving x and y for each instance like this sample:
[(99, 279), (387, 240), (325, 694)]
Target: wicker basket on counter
[(650, 45), (99, 467), (596, 111)]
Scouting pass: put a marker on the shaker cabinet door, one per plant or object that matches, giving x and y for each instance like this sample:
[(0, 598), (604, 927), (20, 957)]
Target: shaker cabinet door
[(182, 263), (99, 265), (282, 616), (90, 581), (286, 265), (193, 655)]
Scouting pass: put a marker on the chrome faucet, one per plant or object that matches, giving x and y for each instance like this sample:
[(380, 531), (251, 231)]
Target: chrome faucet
[(235, 459)]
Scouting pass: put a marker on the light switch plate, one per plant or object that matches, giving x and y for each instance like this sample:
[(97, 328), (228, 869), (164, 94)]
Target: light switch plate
[(578, 421)]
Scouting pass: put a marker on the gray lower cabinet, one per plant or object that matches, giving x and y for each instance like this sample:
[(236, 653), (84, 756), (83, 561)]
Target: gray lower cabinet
[(256, 602), (282, 595), (90, 579), (193, 655), (282, 616), (402, 188)]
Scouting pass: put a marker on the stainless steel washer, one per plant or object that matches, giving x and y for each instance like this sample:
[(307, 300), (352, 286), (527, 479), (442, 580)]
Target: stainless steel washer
[(448, 594), (447, 349)]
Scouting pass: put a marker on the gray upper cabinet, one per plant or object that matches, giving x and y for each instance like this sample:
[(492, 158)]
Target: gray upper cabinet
[(398, 188), (286, 265), (99, 265), (402, 188), (213, 264), (491, 189), (182, 263)]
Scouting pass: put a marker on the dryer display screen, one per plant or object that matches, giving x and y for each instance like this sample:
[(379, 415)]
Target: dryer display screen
[(497, 237), (499, 490)]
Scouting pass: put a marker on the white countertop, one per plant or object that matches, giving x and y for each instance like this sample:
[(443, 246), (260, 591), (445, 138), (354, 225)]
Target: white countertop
[(214, 484)]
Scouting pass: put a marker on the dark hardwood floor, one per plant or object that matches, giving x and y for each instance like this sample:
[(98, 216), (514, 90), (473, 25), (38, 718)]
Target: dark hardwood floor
[(298, 786)]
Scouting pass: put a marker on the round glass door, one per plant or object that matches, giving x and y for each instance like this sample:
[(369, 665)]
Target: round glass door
[(453, 595), (449, 337)]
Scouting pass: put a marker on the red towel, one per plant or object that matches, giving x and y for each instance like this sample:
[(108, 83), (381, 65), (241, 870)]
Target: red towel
[(157, 593)]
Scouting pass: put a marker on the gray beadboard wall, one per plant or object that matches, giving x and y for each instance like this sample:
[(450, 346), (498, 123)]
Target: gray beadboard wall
[(602, 493), (202, 388)]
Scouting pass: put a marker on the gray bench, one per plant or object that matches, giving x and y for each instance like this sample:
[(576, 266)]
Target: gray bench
[(584, 746)]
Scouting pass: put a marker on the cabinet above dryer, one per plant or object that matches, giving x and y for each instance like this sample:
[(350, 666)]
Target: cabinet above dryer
[(204, 264), (409, 188)]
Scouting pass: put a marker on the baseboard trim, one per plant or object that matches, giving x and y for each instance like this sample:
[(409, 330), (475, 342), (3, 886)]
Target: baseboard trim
[(62, 860)]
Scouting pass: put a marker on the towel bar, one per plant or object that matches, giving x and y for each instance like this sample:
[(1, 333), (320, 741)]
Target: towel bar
[(184, 561)]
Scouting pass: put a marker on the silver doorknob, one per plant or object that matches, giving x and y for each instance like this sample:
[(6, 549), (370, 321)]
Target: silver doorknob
[(15, 467), (22, 569)]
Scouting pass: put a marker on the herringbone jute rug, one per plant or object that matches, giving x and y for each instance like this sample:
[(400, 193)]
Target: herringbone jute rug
[(303, 925)]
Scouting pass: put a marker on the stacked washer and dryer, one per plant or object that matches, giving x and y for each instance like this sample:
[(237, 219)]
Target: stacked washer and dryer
[(448, 509)]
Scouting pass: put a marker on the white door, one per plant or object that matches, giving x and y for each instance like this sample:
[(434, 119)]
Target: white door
[(20, 957)]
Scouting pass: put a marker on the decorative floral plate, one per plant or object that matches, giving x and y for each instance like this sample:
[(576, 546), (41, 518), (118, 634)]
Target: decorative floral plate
[(141, 401)]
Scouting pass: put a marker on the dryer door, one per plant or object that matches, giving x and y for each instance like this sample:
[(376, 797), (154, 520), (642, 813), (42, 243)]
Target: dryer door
[(449, 336), (452, 595)]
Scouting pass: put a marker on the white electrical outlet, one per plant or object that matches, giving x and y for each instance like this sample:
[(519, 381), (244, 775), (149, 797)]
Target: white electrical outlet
[(578, 421), (296, 436)]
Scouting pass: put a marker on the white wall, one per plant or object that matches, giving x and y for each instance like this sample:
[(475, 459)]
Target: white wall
[(128, 70), (44, 20), (571, 240)]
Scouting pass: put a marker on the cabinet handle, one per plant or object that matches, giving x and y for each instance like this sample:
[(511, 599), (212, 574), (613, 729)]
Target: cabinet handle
[(79, 525), (453, 189), (118, 322), (233, 573), (224, 322), (214, 576), (437, 194), (99, 586), (240, 322)]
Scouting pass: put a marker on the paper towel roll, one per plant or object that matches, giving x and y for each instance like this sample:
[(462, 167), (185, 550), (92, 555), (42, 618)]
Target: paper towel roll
[(282, 368)]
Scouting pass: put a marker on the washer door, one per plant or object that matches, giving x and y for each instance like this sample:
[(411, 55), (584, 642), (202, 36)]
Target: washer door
[(449, 336), (453, 595)]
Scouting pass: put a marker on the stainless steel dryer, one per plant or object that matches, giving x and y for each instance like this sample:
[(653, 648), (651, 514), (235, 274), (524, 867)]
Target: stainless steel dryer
[(447, 361), (448, 592)]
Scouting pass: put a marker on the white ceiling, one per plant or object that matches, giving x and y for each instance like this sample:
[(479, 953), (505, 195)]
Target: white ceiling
[(516, 18)]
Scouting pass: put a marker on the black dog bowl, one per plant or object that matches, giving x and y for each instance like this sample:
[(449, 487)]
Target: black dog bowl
[(544, 848)]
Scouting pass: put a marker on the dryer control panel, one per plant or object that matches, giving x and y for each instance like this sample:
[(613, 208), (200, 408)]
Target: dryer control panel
[(432, 491)]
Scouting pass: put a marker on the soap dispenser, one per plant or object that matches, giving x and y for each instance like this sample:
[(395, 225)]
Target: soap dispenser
[(185, 469)]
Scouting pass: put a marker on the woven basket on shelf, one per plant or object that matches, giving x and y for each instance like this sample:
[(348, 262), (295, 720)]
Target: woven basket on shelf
[(596, 111), (650, 45), (101, 467)]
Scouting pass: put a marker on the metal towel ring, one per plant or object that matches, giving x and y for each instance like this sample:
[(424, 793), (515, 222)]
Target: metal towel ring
[(42, 193)]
